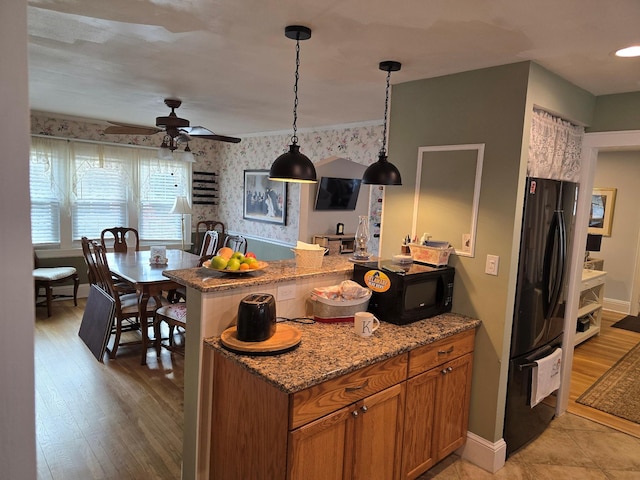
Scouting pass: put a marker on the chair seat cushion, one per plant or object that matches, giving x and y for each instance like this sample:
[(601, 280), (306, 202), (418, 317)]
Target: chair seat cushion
[(53, 273), (176, 311)]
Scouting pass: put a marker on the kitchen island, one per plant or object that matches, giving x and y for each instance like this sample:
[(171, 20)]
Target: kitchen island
[(341, 406), (212, 307), (307, 383)]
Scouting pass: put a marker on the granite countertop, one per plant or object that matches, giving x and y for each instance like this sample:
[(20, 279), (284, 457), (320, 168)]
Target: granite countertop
[(207, 280), (329, 350)]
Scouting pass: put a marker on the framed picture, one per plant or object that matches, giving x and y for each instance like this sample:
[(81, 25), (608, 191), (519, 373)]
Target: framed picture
[(603, 202), (264, 199)]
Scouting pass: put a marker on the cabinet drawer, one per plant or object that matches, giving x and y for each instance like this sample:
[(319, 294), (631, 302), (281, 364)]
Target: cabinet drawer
[(326, 397), (425, 358)]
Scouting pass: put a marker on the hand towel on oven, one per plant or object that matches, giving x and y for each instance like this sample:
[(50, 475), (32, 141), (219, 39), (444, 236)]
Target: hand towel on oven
[(545, 377)]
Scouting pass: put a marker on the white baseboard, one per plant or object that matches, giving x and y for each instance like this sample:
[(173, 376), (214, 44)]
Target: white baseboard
[(618, 306), (489, 456)]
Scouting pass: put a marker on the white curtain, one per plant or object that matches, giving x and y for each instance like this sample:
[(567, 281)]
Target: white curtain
[(555, 148)]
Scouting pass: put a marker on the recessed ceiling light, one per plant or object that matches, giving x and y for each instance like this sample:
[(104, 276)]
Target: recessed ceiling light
[(633, 51)]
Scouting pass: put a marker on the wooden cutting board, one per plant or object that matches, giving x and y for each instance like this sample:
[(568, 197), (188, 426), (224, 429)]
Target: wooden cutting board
[(287, 337)]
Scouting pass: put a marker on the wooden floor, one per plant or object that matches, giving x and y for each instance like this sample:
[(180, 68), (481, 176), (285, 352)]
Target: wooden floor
[(591, 360), (112, 420)]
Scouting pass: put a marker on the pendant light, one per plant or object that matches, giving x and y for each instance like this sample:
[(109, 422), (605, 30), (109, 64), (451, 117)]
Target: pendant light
[(383, 172), (294, 166)]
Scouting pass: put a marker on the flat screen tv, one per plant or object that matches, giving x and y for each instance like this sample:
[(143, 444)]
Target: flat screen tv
[(337, 193)]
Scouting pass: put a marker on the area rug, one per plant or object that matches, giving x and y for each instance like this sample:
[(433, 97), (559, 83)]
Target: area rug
[(618, 391), (628, 323)]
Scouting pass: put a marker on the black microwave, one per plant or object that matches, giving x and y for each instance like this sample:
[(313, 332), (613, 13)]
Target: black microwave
[(407, 293)]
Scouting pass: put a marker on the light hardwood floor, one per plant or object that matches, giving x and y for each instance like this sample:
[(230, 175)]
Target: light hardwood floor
[(111, 420), (591, 360)]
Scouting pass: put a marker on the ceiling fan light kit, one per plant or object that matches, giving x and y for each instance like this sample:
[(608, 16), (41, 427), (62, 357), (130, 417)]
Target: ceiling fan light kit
[(294, 166), (176, 131), (383, 172)]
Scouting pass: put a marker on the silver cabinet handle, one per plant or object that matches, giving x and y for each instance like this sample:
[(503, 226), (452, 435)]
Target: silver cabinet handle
[(355, 389), (444, 371), (364, 409), (446, 352), (354, 413)]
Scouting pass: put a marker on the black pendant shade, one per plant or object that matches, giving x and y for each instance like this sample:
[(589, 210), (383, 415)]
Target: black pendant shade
[(382, 173), (293, 166)]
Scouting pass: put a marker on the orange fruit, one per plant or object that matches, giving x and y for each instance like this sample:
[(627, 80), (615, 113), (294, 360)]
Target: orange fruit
[(225, 252), (253, 265), (244, 266)]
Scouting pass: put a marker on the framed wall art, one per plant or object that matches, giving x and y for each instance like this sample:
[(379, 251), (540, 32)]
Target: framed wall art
[(603, 202), (264, 200)]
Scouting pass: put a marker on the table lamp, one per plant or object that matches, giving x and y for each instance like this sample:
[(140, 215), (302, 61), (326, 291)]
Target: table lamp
[(181, 206)]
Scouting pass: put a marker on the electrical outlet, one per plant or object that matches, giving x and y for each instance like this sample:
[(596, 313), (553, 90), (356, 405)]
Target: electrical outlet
[(491, 267), (286, 292)]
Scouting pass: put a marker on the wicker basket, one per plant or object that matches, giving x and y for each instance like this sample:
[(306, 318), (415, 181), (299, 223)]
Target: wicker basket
[(309, 258), (331, 311)]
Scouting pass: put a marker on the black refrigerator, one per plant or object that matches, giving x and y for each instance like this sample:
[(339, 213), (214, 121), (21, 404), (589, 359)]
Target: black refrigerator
[(538, 321)]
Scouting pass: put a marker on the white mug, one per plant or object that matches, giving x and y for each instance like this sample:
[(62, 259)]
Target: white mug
[(365, 323)]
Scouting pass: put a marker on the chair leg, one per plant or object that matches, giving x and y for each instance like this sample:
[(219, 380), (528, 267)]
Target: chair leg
[(156, 332), (49, 290), (116, 339), (76, 284)]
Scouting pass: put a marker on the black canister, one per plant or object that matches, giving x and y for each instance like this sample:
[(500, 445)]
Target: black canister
[(256, 317)]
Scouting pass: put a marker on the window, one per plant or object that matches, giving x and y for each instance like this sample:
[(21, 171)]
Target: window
[(79, 188)]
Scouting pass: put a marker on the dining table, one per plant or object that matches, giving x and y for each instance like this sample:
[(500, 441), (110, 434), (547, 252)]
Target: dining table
[(135, 268)]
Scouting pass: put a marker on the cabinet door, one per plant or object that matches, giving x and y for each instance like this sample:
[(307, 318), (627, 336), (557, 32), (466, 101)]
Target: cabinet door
[(377, 436), (316, 451), (418, 454), (452, 406)]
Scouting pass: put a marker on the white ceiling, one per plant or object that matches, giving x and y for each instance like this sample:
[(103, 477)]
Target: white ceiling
[(230, 63)]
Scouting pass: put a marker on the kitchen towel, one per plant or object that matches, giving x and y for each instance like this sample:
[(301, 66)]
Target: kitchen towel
[(545, 377)]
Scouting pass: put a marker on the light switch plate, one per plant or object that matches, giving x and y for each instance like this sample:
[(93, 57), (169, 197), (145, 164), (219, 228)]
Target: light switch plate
[(491, 268)]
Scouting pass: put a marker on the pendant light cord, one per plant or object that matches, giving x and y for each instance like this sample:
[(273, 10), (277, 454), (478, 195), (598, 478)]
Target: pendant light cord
[(383, 150), (294, 138)]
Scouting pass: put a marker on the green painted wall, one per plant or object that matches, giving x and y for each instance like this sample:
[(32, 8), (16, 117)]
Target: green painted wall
[(616, 112), (490, 106)]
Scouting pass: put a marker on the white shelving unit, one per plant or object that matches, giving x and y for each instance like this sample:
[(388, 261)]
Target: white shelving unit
[(590, 306)]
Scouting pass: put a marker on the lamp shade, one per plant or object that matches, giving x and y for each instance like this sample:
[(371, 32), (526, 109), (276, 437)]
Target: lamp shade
[(181, 206), (293, 166), (382, 172)]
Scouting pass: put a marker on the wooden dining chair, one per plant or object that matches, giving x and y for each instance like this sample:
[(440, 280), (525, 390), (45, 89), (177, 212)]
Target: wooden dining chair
[(237, 243), (174, 315), (120, 238), (46, 278), (209, 243), (204, 226), (92, 269), (126, 305)]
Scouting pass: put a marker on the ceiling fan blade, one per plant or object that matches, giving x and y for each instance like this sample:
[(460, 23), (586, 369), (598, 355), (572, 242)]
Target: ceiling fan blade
[(202, 132), (131, 130)]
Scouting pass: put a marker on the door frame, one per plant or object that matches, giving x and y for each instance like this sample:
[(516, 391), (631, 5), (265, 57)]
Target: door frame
[(593, 143)]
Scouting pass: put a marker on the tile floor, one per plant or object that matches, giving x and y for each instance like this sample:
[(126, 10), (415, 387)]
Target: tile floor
[(571, 448)]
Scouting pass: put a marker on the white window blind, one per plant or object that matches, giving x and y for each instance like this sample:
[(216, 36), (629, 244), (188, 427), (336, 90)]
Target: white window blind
[(46, 173), (101, 186)]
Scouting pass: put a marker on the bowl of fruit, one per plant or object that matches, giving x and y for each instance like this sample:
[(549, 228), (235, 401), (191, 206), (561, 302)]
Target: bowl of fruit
[(228, 261)]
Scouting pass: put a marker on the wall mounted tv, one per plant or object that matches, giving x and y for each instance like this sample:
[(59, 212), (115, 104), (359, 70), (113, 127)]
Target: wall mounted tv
[(337, 193)]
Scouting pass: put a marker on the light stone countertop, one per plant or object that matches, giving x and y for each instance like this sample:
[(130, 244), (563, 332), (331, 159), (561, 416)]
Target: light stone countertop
[(207, 280), (330, 350)]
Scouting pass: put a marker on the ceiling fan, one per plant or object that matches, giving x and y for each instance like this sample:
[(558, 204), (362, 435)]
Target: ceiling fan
[(176, 128)]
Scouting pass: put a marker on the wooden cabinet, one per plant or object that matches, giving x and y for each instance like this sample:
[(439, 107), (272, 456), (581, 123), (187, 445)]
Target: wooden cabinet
[(359, 442), (437, 402), (590, 304), (390, 420)]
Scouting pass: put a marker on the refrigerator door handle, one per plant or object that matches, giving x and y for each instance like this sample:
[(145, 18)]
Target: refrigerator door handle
[(556, 237)]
